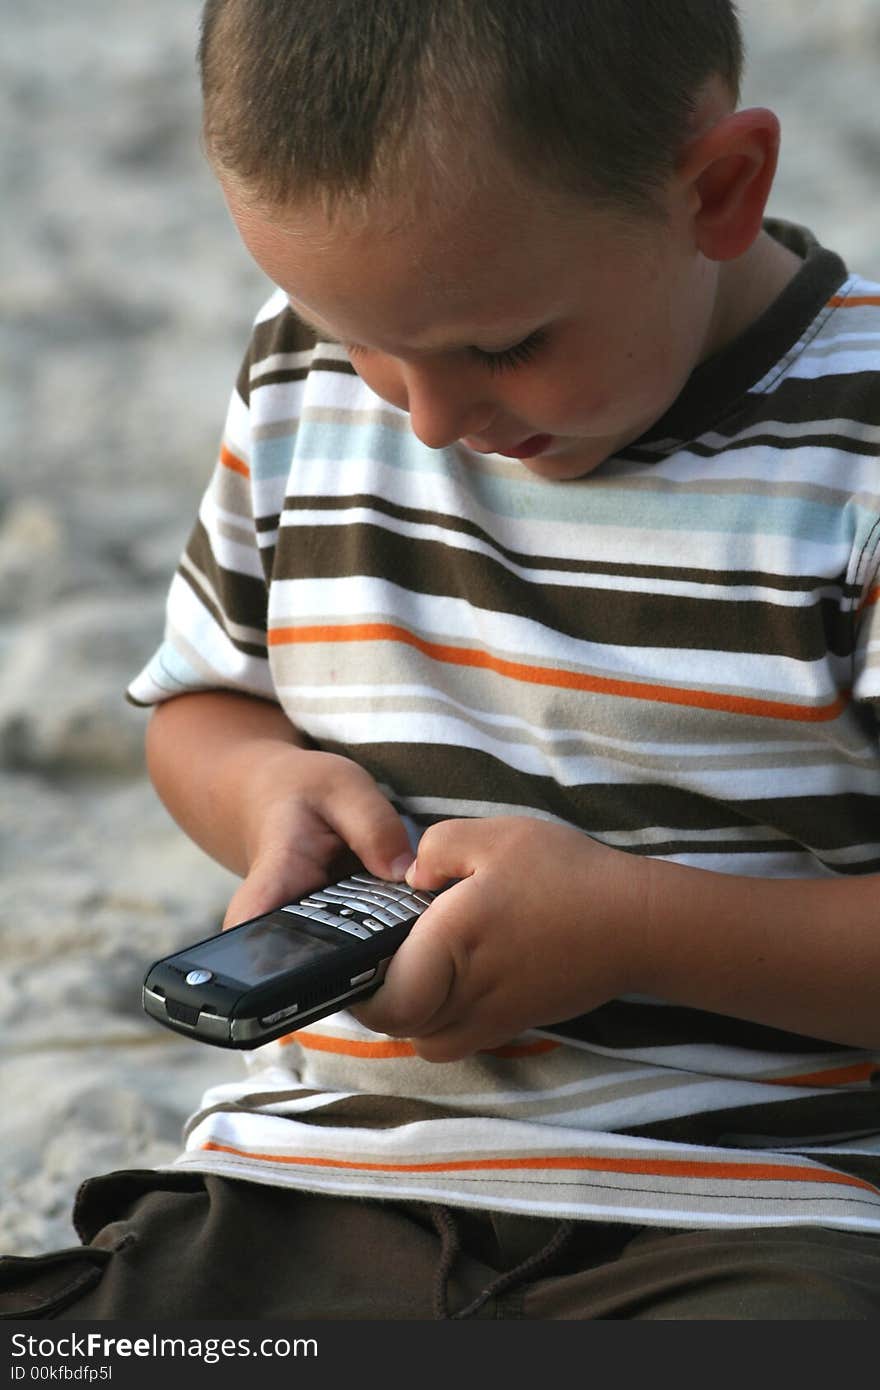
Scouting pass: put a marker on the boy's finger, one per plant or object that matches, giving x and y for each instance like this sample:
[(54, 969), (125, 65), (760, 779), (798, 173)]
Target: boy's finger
[(367, 822), (446, 851), (416, 988), (251, 899), (272, 881), (454, 1043)]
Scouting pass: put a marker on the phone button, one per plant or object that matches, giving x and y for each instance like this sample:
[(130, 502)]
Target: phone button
[(389, 917), (353, 929), (362, 978), (271, 1019), (332, 919), (199, 977)]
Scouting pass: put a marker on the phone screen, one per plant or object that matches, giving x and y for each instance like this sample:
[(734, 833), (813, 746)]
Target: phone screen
[(259, 950)]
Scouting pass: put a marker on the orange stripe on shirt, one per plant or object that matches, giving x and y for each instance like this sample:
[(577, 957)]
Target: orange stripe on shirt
[(646, 1167), (388, 1048), (834, 1076), (571, 680), (349, 1047), (357, 1047), (853, 301), (233, 462)]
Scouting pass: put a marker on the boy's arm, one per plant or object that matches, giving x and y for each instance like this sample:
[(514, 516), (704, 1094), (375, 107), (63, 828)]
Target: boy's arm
[(245, 785), (547, 923), (797, 954)]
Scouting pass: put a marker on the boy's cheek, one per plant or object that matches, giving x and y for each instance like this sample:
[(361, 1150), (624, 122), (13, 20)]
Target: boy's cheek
[(384, 377)]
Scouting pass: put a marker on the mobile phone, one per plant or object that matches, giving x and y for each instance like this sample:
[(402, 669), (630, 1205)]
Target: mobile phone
[(305, 960)]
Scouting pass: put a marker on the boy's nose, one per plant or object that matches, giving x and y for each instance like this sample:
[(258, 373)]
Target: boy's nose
[(443, 409)]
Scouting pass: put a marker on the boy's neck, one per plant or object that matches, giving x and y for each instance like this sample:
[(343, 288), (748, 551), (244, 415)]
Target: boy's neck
[(748, 286)]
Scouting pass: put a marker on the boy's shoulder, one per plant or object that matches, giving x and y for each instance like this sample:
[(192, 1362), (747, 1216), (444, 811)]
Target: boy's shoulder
[(276, 327), (283, 349), (277, 337), (838, 348)]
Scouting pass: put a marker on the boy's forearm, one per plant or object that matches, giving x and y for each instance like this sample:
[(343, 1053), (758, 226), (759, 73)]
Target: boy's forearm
[(206, 753), (797, 954)]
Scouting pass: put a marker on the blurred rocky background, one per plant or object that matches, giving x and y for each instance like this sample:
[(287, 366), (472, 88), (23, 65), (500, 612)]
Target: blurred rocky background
[(125, 301)]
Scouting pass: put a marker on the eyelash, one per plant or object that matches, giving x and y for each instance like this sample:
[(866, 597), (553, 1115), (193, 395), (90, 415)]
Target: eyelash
[(508, 360)]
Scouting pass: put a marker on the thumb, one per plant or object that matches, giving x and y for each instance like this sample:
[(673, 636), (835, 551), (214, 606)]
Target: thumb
[(266, 887), (447, 852), (418, 983)]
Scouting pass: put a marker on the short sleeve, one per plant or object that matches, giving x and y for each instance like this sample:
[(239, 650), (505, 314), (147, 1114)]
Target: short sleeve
[(866, 646), (215, 617)]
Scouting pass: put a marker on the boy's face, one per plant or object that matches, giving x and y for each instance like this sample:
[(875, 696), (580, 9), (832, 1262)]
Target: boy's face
[(548, 335)]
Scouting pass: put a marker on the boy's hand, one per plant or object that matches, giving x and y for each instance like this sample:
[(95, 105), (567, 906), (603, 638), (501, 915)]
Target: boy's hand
[(542, 926), (246, 786), (310, 816)]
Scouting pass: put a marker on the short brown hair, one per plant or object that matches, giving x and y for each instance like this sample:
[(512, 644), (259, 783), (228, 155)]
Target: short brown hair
[(330, 98)]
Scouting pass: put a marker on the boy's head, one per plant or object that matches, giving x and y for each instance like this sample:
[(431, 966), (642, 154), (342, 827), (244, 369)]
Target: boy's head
[(341, 99), (513, 212)]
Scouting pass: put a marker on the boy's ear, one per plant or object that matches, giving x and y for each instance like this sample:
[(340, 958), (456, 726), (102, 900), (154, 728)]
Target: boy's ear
[(728, 172)]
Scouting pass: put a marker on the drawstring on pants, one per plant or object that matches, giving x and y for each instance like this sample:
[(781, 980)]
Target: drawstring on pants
[(450, 1249)]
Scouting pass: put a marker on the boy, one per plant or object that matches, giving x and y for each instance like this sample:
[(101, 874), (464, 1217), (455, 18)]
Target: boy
[(541, 556)]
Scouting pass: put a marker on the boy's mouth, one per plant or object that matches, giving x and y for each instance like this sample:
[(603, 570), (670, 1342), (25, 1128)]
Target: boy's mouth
[(527, 449)]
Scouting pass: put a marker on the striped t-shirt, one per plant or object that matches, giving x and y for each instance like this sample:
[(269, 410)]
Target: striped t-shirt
[(678, 654)]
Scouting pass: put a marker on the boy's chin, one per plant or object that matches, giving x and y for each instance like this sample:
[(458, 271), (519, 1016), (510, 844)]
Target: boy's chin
[(569, 461)]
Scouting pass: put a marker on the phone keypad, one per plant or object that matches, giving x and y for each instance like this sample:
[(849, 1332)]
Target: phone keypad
[(348, 893), (327, 919), (395, 894), (361, 906)]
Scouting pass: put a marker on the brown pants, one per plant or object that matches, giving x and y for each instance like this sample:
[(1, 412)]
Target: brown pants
[(161, 1246)]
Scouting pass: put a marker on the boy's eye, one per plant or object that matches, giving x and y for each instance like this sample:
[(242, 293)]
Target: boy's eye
[(516, 356)]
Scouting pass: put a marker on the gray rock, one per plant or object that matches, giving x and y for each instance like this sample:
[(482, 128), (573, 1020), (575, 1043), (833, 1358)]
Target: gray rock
[(61, 696)]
